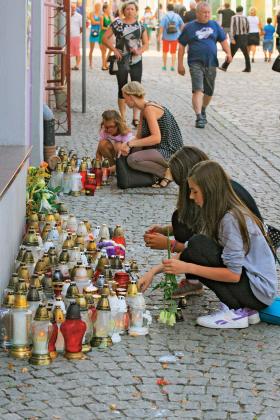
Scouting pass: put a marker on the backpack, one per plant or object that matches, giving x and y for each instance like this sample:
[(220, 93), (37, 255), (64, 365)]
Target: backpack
[(171, 26)]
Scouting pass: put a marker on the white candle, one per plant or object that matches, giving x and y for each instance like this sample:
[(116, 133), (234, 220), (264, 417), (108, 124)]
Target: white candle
[(20, 327)]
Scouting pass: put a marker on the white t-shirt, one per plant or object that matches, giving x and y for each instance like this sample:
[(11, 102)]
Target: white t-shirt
[(76, 24), (253, 24)]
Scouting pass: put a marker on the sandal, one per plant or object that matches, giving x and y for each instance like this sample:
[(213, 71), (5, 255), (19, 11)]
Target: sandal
[(75, 68), (105, 68), (135, 122), (163, 183)]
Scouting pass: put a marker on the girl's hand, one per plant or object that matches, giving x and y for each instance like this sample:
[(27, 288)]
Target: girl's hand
[(124, 150), (156, 241), (145, 281), (154, 228), (174, 266)]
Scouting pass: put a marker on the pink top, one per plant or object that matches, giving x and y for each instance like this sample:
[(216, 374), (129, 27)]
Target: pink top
[(119, 138)]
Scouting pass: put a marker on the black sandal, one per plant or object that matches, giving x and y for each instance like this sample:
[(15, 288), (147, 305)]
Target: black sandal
[(135, 122), (163, 183)]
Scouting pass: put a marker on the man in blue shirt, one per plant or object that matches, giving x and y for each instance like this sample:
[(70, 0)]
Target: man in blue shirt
[(170, 27), (201, 36)]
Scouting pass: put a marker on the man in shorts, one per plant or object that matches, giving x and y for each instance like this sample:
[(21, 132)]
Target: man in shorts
[(201, 36), (170, 40)]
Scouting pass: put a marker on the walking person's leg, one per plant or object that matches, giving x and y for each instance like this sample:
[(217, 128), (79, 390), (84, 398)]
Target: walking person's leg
[(244, 50), (233, 49), (122, 79), (91, 48), (136, 76), (209, 86), (165, 49), (197, 77), (173, 51)]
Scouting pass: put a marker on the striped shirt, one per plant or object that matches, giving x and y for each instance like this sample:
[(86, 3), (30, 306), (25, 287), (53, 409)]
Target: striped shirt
[(239, 26)]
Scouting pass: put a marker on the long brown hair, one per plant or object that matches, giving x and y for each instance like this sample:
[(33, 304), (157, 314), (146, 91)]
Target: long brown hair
[(112, 115), (180, 165), (220, 198)]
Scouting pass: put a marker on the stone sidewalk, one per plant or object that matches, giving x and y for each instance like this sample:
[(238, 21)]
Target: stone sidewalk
[(227, 374)]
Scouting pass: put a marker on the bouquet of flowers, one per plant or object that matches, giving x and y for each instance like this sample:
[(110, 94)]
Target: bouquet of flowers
[(40, 197)]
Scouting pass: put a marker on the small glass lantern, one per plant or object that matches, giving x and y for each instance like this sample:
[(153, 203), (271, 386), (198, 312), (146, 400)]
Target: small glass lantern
[(41, 330), (6, 322), (73, 330), (103, 324), (33, 299), (85, 315), (140, 318), (22, 317)]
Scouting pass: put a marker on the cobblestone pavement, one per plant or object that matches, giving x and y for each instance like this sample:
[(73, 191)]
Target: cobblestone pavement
[(231, 374)]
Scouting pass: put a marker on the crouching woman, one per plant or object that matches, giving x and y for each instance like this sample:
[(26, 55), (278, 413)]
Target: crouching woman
[(231, 256)]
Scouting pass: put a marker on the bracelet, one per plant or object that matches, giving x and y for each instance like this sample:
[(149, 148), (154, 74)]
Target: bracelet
[(173, 244)]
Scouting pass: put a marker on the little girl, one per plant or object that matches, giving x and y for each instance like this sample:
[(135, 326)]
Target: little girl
[(231, 256), (113, 133)]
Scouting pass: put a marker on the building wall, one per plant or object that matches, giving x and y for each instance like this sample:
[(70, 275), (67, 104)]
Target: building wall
[(12, 222), (14, 104)]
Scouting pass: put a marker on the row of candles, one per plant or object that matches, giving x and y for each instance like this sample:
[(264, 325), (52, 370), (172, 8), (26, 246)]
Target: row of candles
[(77, 176), (71, 291)]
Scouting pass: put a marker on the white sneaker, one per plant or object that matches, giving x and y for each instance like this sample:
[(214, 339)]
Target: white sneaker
[(229, 318), (253, 316)]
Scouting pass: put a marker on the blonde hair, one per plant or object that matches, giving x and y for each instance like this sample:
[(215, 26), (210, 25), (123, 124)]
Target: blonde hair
[(128, 3), (135, 89), (253, 11), (96, 7)]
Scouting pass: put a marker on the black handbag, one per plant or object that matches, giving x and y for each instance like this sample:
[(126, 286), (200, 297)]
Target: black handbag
[(113, 64), (274, 240), (129, 178), (276, 64)]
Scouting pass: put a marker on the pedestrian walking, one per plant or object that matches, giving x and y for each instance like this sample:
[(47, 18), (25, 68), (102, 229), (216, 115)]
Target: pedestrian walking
[(227, 14), (131, 42), (191, 14), (113, 133), (105, 22), (201, 37), (158, 136), (239, 38), (277, 27), (76, 27), (95, 20), (268, 33), (254, 32), (186, 219), (232, 256), (170, 28), (148, 21)]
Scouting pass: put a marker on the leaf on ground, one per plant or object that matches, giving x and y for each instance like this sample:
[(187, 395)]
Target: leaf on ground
[(137, 378), (137, 394), (113, 407), (255, 392), (11, 366), (164, 365), (162, 382), (56, 417), (24, 370)]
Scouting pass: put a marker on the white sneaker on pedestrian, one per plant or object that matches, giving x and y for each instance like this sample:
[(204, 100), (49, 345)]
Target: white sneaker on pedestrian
[(227, 318)]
